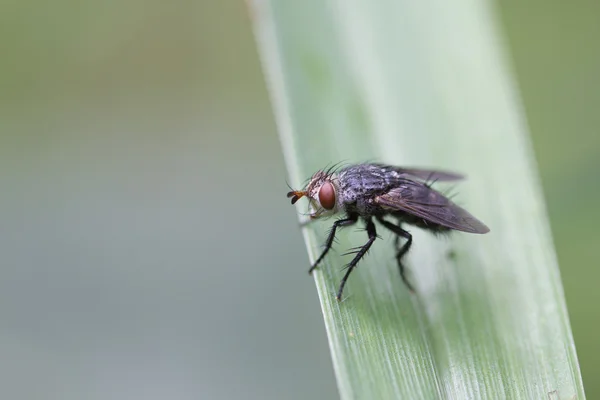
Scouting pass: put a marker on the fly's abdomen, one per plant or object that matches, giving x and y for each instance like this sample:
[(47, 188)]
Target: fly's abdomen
[(422, 223)]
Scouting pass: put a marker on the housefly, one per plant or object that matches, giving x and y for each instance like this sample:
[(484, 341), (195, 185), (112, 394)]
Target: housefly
[(382, 192)]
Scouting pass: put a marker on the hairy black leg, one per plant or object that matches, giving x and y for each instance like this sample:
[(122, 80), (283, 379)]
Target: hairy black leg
[(401, 251), (351, 219), (363, 250)]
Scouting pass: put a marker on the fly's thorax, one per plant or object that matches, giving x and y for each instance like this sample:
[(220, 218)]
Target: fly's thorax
[(360, 182)]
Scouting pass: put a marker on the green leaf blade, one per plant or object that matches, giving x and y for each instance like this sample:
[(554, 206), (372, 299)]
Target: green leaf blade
[(424, 84)]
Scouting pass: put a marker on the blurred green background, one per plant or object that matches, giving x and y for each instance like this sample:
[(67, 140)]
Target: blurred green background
[(147, 248)]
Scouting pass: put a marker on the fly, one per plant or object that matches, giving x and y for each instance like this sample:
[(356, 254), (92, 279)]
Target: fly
[(382, 192)]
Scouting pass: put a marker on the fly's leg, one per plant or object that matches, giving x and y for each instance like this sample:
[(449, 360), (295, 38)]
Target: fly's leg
[(359, 254), (352, 218), (401, 251)]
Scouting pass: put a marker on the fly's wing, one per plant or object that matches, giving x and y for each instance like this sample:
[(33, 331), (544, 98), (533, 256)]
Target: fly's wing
[(418, 199), (425, 174)]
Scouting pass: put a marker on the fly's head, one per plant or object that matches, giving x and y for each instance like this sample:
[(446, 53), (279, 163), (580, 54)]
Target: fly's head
[(322, 192)]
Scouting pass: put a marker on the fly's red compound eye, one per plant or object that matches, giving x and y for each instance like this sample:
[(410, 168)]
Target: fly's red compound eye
[(327, 196)]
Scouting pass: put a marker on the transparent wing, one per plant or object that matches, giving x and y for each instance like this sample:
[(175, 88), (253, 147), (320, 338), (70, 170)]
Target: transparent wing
[(418, 199), (425, 174)]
